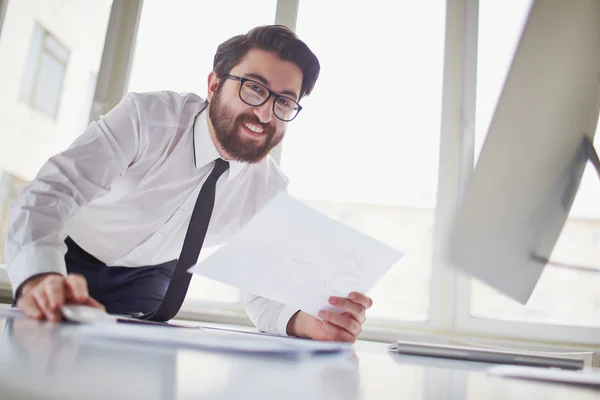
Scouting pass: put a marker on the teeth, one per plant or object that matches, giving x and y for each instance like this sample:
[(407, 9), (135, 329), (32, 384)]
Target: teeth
[(254, 128)]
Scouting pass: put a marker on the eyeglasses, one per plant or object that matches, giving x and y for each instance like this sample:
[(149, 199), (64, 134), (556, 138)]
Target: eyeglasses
[(256, 94)]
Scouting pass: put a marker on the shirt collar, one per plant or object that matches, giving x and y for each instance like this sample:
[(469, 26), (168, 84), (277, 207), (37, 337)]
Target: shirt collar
[(204, 148)]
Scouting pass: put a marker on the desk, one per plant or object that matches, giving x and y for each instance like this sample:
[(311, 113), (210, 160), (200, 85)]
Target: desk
[(44, 360)]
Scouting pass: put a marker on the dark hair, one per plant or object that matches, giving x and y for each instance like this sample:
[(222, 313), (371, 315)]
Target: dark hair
[(276, 38)]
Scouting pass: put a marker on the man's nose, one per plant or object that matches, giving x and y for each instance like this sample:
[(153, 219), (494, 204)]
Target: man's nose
[(265, 112)]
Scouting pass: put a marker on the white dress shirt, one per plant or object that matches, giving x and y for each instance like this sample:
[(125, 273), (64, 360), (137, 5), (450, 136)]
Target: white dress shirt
[(125, 189)]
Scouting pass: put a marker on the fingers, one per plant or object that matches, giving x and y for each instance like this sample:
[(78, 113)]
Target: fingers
[(337, 334), (28, 306), (54, 289), (361, 299), (93, 303), (48, 296), (43, 302), (344, 321), (78, 289), (357, 310)]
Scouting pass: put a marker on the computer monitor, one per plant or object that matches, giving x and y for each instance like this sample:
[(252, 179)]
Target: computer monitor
[(539, 140)]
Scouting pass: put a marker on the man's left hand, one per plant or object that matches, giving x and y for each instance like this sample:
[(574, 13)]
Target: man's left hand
[(345, 327)]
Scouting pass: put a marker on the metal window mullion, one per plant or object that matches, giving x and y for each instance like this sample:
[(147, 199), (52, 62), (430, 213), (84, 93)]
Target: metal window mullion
[(117, 56), (456, 150), (3, 7), (285, 14)]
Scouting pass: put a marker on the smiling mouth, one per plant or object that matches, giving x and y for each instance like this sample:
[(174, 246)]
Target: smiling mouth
[(253, 130)]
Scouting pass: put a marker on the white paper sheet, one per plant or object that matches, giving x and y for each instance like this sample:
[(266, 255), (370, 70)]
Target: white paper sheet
[(215, 340), (585, 377), (298, 256)]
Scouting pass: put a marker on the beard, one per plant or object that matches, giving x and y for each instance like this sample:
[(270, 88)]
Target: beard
[(227, 131)]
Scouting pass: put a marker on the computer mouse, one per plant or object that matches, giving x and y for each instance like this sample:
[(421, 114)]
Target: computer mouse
[(86, 314)]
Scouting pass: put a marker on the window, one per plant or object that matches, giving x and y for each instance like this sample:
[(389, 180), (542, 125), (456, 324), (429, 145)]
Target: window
[(44, 72), (371, 129)]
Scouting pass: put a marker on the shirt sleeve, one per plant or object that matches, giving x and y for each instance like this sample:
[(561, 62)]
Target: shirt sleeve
[(66, 182), (268, 315)]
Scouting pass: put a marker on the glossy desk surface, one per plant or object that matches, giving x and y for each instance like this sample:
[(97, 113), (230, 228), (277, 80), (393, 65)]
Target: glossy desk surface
[(44, 360)]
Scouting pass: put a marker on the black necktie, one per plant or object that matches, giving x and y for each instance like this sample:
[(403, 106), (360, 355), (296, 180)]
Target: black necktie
[(190, 251)]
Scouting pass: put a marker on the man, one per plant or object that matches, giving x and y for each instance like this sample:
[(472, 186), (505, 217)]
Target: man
[(104, 222)]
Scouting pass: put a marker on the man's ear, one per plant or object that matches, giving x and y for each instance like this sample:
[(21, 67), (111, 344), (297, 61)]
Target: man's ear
[(213, 84)]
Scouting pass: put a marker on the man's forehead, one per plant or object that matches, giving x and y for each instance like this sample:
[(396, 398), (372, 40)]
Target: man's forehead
[(281, 76)]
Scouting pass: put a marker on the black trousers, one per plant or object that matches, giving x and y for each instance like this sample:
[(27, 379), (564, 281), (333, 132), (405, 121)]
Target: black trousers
[(122, 290)]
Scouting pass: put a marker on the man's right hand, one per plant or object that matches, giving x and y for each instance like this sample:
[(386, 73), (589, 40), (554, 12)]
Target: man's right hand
[(43, 296)]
